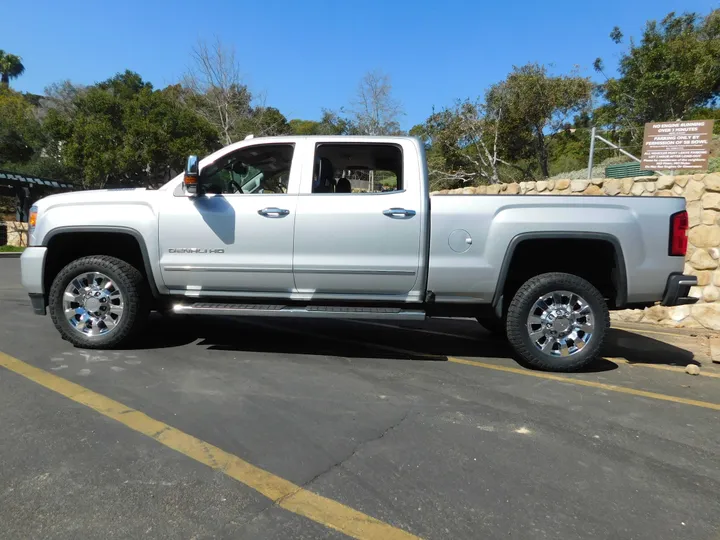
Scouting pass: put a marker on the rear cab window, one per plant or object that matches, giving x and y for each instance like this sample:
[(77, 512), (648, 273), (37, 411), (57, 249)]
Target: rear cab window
[(357, 168)]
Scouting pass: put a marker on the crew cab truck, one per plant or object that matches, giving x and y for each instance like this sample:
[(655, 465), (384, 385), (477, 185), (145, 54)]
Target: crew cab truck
[(344, 227)]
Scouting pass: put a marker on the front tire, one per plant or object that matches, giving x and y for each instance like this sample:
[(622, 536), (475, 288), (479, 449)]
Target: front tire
[(557, 322), (98, 302)]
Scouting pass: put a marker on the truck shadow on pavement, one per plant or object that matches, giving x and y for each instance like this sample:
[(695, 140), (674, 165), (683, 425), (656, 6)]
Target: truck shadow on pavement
[(637, 348), (429, 341)]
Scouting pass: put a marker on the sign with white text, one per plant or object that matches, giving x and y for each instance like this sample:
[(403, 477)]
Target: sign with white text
[(676, 145)]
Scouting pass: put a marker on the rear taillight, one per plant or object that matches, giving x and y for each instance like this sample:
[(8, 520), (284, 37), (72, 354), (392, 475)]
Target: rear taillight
[(679, 234)]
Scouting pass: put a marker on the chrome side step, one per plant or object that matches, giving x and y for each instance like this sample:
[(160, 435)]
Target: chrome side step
[(262, 310)]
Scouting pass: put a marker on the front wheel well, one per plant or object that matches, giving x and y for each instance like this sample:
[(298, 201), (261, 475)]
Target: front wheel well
[(597, 260), (66, 247)]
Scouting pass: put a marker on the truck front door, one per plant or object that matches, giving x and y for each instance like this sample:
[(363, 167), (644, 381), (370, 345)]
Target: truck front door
[(359, 222), (238, 237)]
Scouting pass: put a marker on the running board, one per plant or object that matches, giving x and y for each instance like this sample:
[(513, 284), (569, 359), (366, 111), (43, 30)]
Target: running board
[(262, 310)]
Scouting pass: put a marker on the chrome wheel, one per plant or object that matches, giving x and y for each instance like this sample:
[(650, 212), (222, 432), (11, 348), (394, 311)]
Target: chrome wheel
[(560, 323), (93, 304)]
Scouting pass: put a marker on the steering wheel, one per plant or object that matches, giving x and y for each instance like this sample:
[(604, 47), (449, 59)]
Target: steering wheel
[(234, 187)]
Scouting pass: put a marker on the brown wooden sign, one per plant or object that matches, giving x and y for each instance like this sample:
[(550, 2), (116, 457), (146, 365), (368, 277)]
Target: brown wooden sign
[(676, 145)]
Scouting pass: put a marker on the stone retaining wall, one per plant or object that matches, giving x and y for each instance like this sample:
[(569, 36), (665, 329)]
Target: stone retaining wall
[(16, 233), (702, 193)]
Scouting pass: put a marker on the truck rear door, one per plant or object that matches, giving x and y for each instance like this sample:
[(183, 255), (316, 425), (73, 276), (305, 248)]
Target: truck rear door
[(359, 221)]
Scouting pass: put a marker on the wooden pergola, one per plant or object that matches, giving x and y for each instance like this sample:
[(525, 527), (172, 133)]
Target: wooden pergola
[(27, 188)]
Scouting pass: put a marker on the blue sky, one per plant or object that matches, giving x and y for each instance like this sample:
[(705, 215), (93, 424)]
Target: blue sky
[(307, 54)]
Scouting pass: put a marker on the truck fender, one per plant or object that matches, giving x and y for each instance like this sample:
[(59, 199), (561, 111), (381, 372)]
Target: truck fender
[(621, 298), (112, 229)]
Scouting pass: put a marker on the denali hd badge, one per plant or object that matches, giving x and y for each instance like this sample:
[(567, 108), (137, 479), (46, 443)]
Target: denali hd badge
[(195, 250)]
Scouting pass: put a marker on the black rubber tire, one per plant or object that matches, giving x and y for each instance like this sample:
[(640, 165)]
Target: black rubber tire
[(519, 310), (126, 277), (494, 325)]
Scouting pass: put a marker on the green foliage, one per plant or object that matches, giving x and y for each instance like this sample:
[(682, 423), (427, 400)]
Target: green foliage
[(330, 124), (11, 249), (714, 165), (265, 122), (533, 105), (568, 150), (706, 113), (123, 131), (460, 144), (20, 132), (672, 72)]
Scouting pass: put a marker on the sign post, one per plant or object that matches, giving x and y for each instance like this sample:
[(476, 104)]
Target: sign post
[(676, 145)]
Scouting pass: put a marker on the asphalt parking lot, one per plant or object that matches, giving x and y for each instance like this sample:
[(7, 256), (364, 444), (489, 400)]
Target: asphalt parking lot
[(267, 429)]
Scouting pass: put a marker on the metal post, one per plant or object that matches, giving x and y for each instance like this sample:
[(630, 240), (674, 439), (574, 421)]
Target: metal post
[(592, 151), (22, 204)]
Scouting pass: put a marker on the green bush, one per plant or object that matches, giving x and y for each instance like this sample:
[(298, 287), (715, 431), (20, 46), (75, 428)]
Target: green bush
[(714, 164)]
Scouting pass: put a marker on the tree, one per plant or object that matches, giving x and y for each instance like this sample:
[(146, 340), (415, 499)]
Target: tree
[(463, 143), (265, 122), (20, 133), (217, 92), (11, 67), (374, 110), (121, 131), (672, 72), (331, 123), (536, 105)]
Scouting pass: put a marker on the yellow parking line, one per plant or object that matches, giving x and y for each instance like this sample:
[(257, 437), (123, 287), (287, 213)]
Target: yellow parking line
[(282, 492), (520, 371), (591, 384)]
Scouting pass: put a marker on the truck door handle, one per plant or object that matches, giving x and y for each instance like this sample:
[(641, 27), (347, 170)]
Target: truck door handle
[(273, 212), (393, 212)]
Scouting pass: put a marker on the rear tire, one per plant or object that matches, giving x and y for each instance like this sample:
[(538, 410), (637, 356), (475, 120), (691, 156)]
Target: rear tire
[(557, 322), (111, 320)]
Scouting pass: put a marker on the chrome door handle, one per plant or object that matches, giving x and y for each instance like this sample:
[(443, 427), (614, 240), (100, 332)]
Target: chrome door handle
[(273, 212), (392, 212)]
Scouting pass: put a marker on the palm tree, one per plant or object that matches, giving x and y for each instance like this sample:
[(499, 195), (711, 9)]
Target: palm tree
[(11, 67)]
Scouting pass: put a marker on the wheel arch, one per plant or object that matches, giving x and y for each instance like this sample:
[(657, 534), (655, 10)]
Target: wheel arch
[(132, 244), (619, 278)]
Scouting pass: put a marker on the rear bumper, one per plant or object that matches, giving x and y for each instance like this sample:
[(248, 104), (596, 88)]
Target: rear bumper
[(32, 264), (678, 289)]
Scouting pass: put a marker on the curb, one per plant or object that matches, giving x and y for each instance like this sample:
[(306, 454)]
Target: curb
[(11, 255)]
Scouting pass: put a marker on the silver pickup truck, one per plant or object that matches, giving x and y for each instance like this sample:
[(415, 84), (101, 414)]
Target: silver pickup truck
[(344, 227)]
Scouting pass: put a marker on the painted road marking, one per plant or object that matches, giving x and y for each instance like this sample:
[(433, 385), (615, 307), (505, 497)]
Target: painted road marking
[(281, 492), (519, 371), (675, 369), (591, 384)]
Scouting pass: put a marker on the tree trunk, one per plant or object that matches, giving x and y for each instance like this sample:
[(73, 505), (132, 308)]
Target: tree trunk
[(542, 154)]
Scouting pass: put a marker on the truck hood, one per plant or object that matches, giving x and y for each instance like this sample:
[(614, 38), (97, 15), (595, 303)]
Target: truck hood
[(110, 196)]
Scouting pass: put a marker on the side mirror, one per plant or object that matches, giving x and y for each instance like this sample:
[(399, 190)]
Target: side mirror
[(192, 175)]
